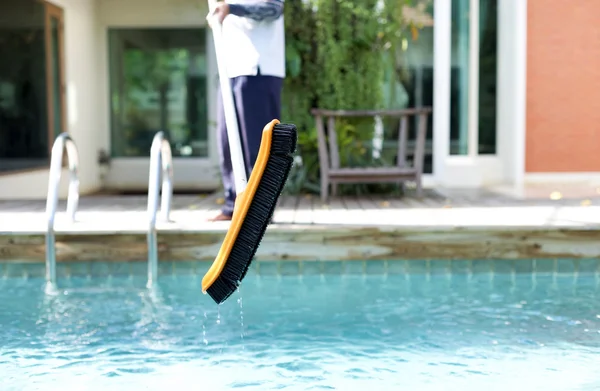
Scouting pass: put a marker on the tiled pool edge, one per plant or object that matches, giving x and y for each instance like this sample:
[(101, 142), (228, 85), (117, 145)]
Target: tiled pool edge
[(312, 268), (320, 243)]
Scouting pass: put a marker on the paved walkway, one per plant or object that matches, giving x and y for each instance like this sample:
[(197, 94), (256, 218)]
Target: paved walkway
[(457, 225), (458, 209)]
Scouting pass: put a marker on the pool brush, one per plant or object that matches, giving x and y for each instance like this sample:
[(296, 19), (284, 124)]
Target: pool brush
[(256, 198)]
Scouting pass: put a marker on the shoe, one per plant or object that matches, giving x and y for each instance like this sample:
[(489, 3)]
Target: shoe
[(220, 217)]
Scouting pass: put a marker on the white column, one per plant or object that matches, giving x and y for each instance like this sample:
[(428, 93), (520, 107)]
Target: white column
[(512, 87), (520, 102), (442, 16)]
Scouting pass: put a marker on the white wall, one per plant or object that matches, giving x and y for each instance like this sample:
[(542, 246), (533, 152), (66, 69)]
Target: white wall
[(85, 122), (165, 13)]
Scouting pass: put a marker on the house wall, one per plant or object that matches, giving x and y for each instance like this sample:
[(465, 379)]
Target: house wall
[(561, 114), (87, 91), (84, 121), (152, 13), (563, 75)]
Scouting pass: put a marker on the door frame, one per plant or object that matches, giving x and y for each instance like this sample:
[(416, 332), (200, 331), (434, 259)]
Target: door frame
[(189, 174), (474, 169), (54, 11)]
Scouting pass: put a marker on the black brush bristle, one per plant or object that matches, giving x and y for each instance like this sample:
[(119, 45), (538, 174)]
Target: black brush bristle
[(260, 212)]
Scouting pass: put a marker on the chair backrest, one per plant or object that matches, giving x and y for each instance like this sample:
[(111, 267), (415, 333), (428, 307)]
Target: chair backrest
[(327, 139)]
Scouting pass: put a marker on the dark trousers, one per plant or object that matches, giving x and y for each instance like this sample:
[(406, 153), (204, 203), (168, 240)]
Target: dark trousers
[(258, 102)]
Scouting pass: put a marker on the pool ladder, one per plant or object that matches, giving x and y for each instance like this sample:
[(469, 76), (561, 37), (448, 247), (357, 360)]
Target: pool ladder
[(62, 142), (160, 157), (160, 161)]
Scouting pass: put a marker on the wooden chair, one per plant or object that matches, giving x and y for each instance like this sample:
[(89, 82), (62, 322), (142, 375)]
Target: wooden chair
[(329, 157)]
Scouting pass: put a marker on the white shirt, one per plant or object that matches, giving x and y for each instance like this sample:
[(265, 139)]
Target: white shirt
[(250, 44)]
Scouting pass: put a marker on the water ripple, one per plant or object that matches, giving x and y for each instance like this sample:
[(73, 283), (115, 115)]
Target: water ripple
[(302, 334)]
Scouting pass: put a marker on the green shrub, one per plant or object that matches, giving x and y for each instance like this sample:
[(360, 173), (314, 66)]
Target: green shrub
[(340, 55)]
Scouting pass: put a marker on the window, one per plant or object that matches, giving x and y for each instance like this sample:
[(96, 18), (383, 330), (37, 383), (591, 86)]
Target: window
[(32, 108), (158, 82), (484, 75), (459, 78), (488, 66)]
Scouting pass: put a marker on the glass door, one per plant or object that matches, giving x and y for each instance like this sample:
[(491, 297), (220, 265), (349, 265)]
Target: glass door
[(474, 77), (24, 88), (159, 82)]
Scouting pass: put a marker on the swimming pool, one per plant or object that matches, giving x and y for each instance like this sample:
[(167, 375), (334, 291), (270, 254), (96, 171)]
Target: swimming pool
[(435, 325)]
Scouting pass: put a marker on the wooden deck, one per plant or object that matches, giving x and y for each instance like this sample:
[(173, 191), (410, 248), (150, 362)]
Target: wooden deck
[(461, 225)]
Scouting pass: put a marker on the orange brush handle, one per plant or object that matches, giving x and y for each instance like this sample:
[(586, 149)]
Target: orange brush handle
[(242, 204)]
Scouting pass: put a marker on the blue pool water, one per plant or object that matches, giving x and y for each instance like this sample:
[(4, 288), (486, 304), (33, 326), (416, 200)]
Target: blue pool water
[(440, 331)]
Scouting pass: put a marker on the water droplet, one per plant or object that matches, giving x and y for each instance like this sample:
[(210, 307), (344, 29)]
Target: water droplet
[(204, 330)]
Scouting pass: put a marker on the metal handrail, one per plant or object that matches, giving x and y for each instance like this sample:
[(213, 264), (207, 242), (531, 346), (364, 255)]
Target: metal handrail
[(62, 142), (160, 157)]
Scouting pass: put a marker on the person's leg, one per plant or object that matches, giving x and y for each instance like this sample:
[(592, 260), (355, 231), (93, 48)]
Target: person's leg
[(259, 100)]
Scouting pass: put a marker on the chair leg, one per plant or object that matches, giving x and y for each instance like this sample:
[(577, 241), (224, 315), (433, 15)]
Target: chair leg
[(334, 189), (402, 188), (324, 188), (419, 187)]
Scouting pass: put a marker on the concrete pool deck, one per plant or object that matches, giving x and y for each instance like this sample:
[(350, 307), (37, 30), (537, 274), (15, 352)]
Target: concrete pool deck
[(442, 225)]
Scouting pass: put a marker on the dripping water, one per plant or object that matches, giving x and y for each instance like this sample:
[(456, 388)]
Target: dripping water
[(204, 329), (241, 315), (219, 322)]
